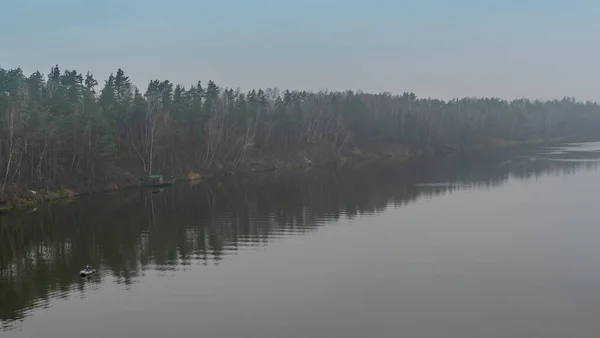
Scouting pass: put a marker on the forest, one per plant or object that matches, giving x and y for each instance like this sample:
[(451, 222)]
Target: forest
[(65, 129)]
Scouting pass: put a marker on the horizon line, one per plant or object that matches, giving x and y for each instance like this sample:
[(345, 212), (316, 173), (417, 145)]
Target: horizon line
[(100, 86)]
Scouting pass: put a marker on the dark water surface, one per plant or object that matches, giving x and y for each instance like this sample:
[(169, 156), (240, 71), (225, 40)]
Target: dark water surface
[(504, 245)]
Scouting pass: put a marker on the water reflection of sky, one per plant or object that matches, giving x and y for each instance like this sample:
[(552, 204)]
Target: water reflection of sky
[(133, 237), (574, 147), (562, 160)]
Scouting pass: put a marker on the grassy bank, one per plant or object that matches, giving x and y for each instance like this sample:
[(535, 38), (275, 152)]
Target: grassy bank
[(309, 158)]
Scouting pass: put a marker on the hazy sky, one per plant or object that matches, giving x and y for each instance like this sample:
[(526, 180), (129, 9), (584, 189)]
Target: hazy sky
[(438, 48)]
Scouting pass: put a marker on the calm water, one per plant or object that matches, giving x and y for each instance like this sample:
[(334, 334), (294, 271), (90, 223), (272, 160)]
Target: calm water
[(460, 246)]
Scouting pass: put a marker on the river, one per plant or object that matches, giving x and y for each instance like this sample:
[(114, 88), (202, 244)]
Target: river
[(478, 245)]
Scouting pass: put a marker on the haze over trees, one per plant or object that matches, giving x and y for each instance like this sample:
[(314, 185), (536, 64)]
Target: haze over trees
[(66, 127)]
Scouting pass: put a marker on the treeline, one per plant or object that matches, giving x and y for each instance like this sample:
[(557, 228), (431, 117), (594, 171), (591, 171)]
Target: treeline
[(65, 128)]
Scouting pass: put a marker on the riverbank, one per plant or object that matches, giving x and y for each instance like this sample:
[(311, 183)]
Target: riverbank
[(27, 199)]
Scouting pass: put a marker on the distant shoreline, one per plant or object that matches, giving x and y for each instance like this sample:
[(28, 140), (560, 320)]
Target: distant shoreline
[(67, 134), (399, 154)]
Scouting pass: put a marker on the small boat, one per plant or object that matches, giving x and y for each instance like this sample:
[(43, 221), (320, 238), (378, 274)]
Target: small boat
[(157, 181), (87, 271)]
